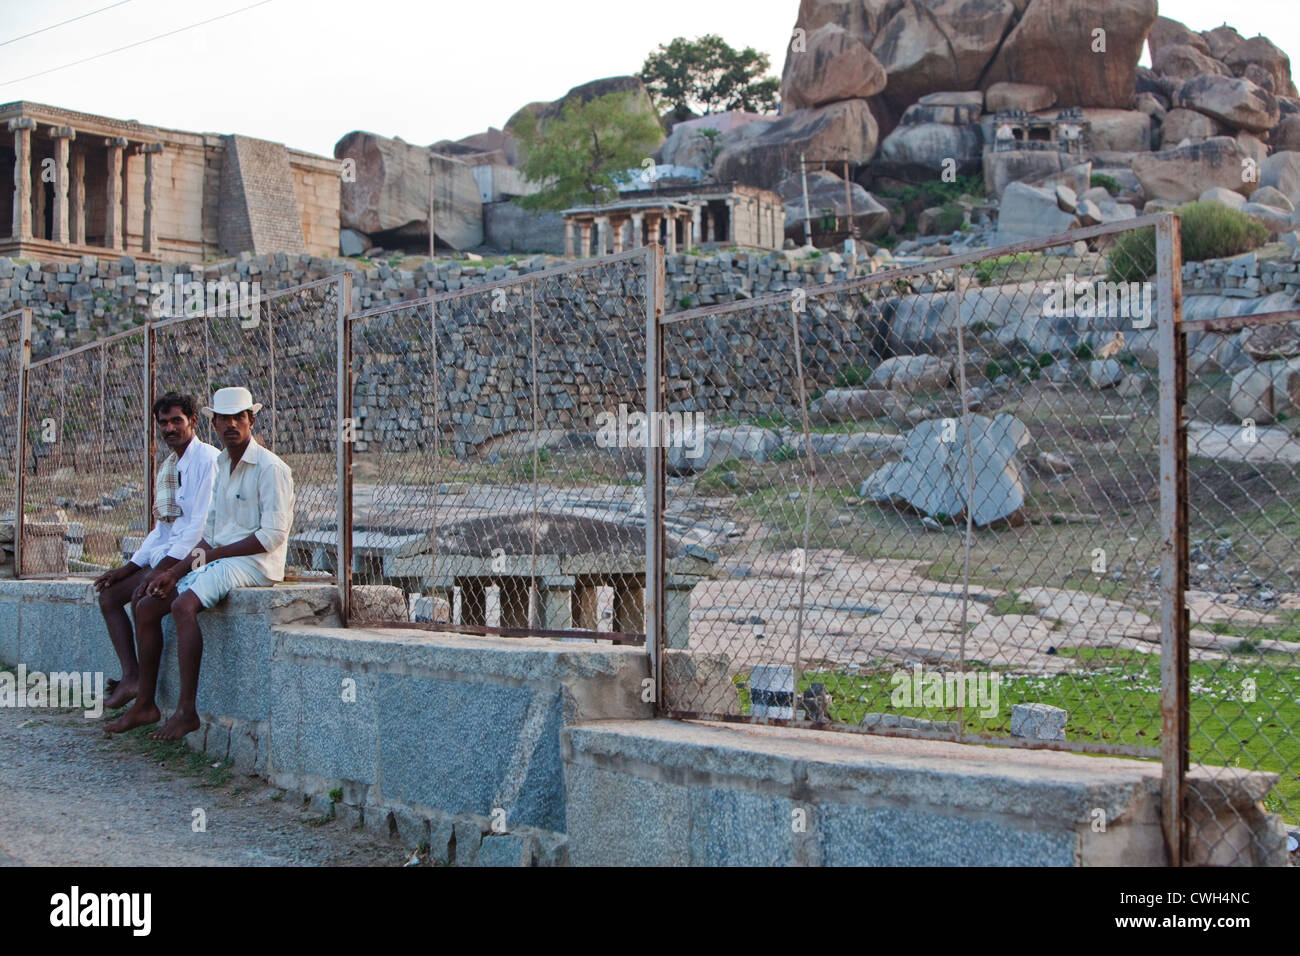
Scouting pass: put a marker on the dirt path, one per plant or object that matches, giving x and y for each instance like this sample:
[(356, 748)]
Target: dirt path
[(70, 796)]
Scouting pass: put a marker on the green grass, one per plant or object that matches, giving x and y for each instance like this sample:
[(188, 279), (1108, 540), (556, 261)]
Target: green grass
[(1113, 697), (1209, 231), (987, 270), (1109, 183)]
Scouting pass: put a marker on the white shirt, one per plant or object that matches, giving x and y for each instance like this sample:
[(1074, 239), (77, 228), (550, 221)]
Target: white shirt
[(176, 539), (256, 499)]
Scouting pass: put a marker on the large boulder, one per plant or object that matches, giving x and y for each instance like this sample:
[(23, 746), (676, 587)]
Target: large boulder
[(1175, 65), (710, 446), (1222, 40), (1166, 32), (1001, 169), (924, 147), (1263, 392), (835, 66), (1027, 212), (1235, 101), (1118, 131), (1030, 97), (1181, 124), (1260, 52), (389, 201), (910, 374), (688, 144), (1181, 174), (857, 404), (1282, 172), (637, 100), (826, 193), (939, 461), (1286, 135), (930, 45), (773, 153), (1053, 45)]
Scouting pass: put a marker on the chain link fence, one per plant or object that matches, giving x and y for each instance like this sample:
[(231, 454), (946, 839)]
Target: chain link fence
[(13, 327), (491, 488), (84, 466), (1243, 519)]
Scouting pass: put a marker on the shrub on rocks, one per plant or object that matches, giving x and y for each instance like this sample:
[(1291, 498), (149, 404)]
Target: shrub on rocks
[(1210, 231)]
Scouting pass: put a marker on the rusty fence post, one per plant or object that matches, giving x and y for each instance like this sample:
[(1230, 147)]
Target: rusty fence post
[(655, 604), (24, 360), (1174, 622), (148, 386), (344, 432)]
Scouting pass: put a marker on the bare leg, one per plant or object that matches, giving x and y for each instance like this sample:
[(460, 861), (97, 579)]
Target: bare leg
[(148, 632), (189, 653), (112, 604)]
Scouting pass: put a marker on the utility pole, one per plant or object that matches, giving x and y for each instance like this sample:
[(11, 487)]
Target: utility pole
[(807, 215), (431, 236)]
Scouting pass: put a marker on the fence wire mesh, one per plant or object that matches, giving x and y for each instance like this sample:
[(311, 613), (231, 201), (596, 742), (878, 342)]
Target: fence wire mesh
[(485, 493), (11, 357), (1244, 580), (281, 346), (928, 496), (83, 458)]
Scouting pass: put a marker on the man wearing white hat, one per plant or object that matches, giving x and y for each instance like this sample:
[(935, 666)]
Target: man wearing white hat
[(245, 544)]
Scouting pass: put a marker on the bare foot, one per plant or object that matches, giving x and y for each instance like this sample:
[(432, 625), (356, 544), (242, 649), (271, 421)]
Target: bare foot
[(121, 695), (177, 726), (137, 716)]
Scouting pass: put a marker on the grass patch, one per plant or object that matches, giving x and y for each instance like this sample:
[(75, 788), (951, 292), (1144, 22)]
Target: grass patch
[(987, 270), (1209, 231)]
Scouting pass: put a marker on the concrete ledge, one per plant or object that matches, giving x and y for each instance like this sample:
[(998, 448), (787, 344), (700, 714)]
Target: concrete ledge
[(682, 794), (434, 723)]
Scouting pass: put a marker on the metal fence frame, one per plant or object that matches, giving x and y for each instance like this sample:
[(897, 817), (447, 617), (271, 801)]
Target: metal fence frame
[(1175, 625), (1175, 622)]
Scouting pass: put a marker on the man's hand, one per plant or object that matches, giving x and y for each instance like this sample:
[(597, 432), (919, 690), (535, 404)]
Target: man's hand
[(113, 575), (163, 584), (142, 588)]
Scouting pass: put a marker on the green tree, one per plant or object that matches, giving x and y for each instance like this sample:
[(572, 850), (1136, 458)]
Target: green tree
[(708, 75), (578, 155)]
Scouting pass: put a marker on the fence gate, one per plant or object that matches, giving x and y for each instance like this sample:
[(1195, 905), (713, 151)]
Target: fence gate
[(938, 501)]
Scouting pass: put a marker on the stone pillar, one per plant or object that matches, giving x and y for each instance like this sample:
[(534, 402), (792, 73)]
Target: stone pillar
[(149, 241), (602, 235), (514, 602), (688, 232), (21, 127), (730, 237), (77, 203), (638, 224), (568, 238), (670, 233), (583, 607), (584, 239), (555, 605), (63, 137), (629, 605), (696, 232), (114, 217), (619, 225), (473, 601)]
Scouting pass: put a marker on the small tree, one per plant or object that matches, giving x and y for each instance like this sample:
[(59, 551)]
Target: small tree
[(578, 155), (709, 75)]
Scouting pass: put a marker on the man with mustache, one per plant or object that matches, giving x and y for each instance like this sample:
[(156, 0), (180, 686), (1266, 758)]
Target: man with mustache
[(182, 496), (245, 544)]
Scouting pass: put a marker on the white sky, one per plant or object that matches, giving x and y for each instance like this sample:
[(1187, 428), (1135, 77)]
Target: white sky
[(305, 72)]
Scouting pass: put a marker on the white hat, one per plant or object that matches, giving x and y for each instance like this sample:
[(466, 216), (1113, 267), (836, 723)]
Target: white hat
[(231, 401)]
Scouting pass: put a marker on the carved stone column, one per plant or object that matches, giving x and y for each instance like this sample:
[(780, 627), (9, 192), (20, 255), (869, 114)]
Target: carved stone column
[(63, 137), (22, 127), (114, 227), (150, 238)]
